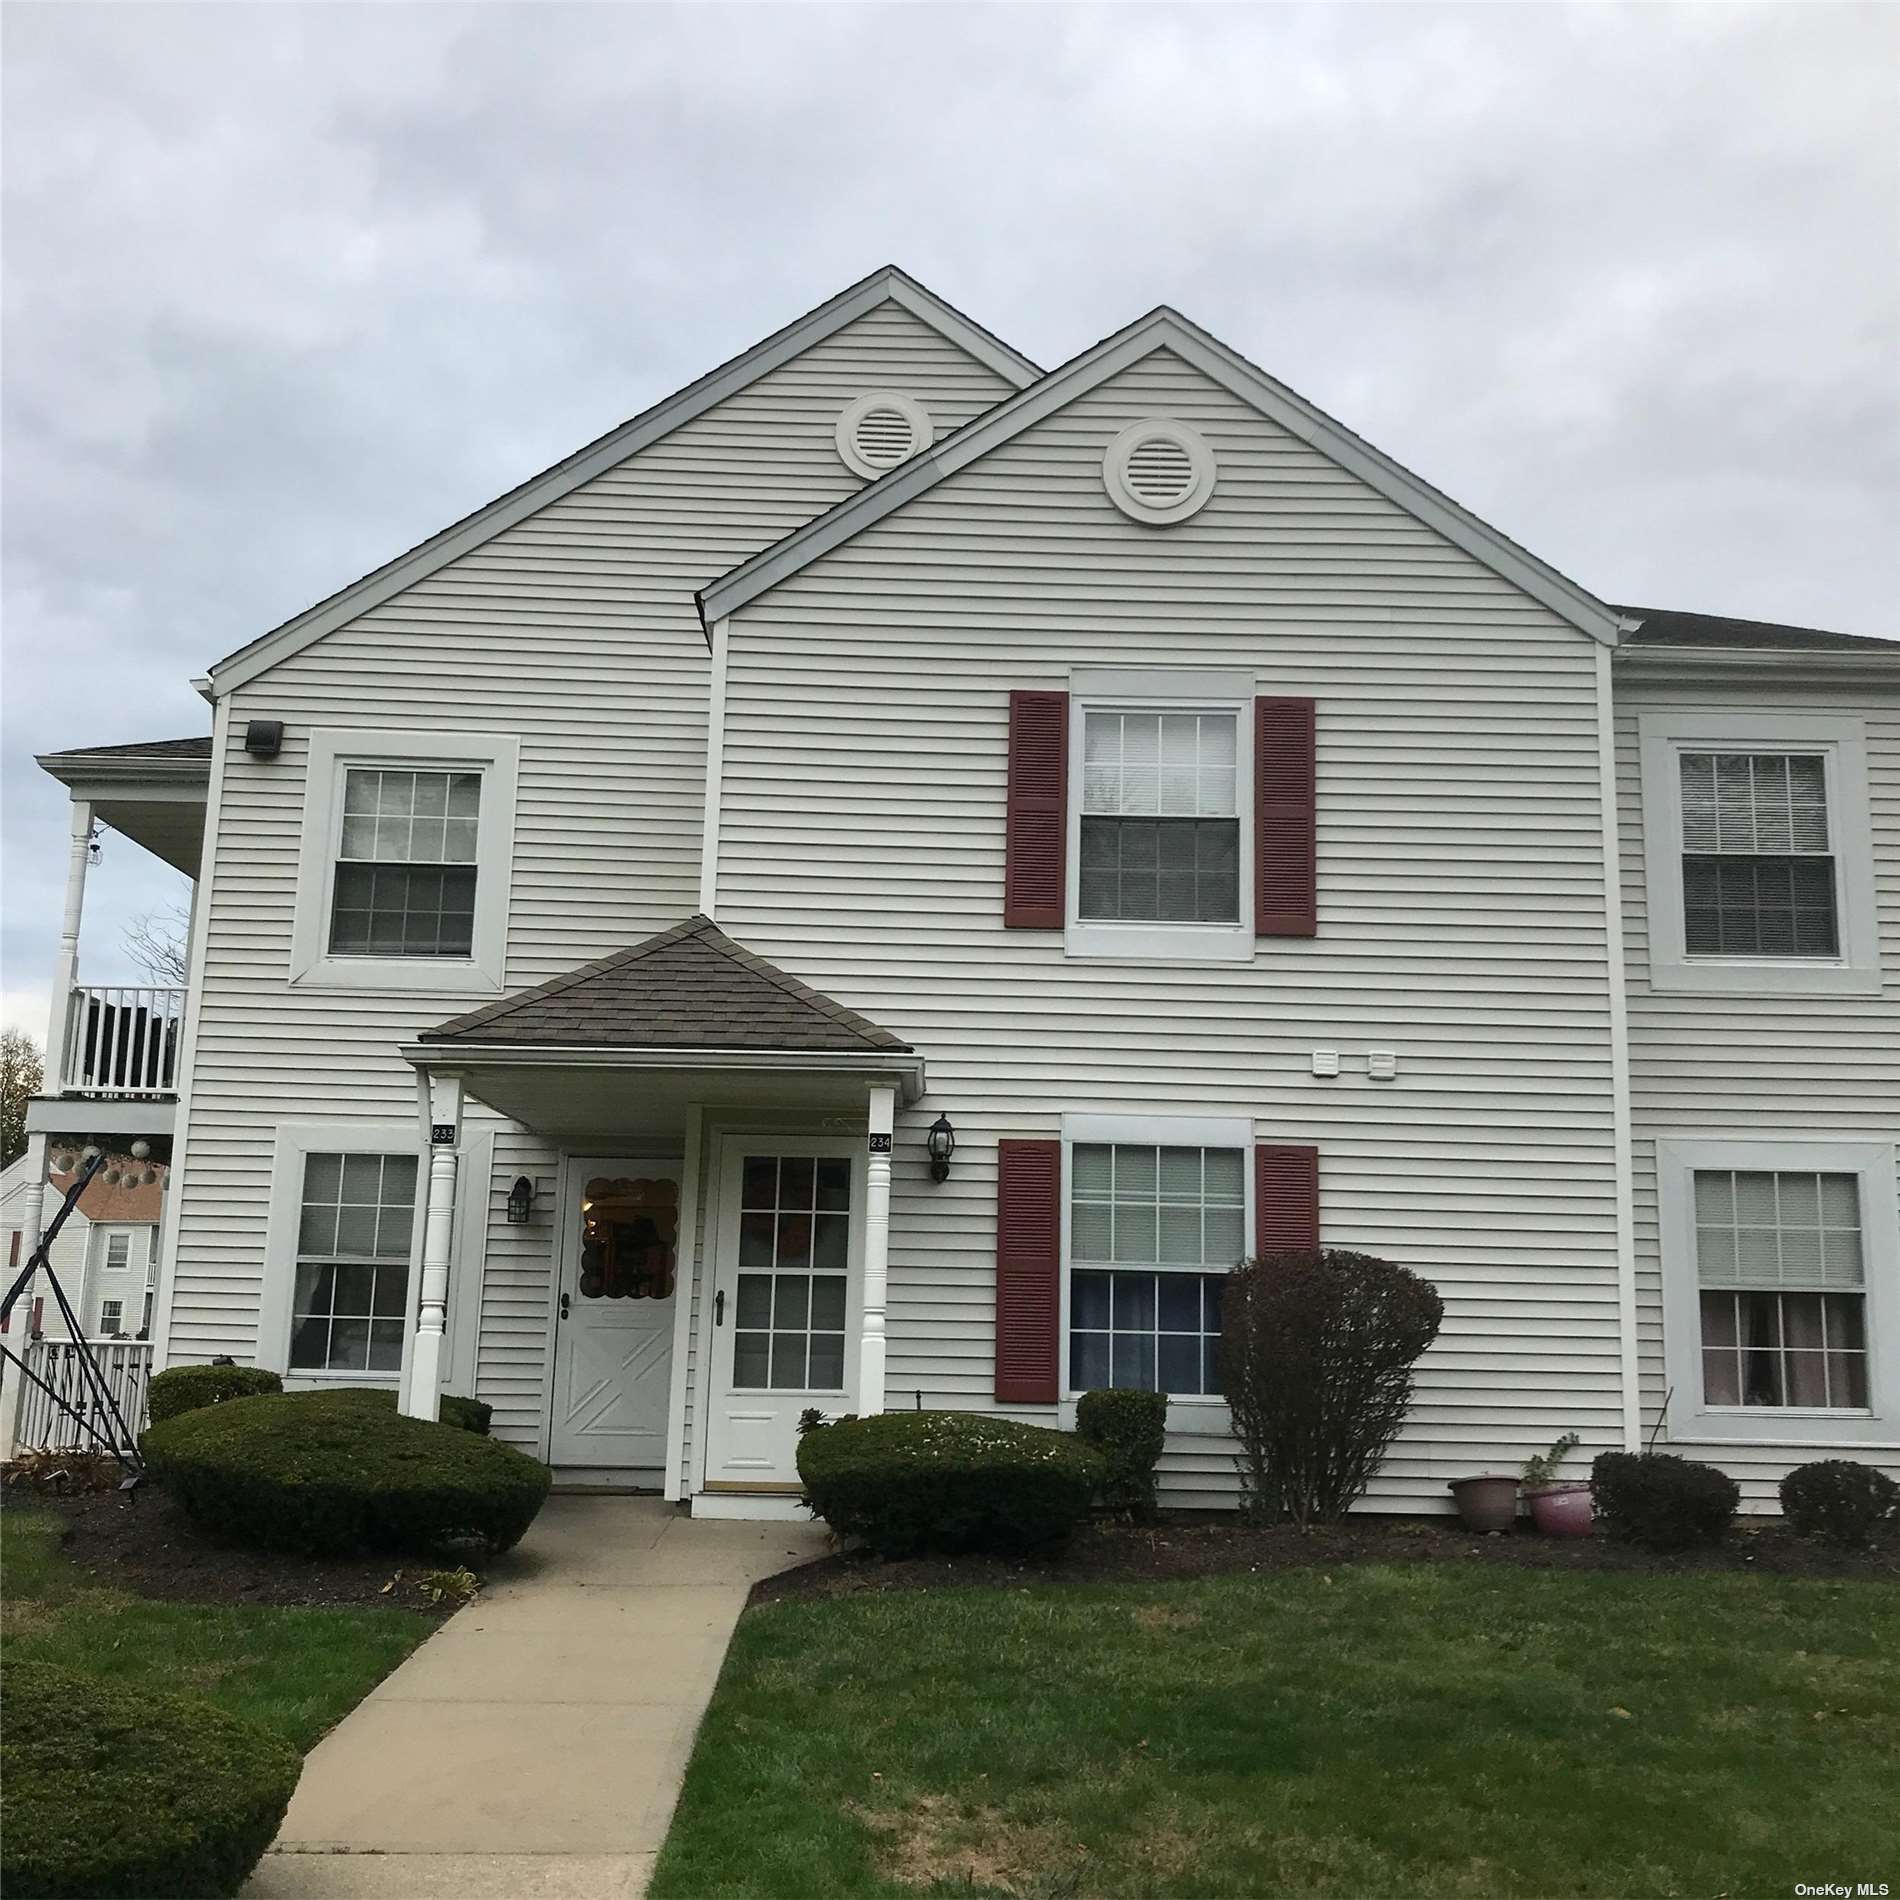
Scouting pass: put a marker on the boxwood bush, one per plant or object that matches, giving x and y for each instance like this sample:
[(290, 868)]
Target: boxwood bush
[(1128, 1429), (181, 1389), (113, 1790), (948, 1481), (1839, 1501), (466, 1415), (328, 1472), (1660, 1501)]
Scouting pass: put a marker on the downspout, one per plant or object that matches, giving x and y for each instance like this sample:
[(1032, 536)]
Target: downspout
[(1619, 1059)]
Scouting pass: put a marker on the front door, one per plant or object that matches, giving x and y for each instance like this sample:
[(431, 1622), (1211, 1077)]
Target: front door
[(613, 1349), (786, 1302)]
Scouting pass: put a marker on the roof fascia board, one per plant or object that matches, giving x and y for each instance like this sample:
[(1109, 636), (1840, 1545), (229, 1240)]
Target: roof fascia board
[(463, 1057), (884, 286), (1165, 330), (1780, 664), (119, 773)]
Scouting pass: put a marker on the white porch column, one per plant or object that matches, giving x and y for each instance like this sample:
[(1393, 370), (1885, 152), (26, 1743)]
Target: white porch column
[(422, 1387), (877, 1249), (66, 964)]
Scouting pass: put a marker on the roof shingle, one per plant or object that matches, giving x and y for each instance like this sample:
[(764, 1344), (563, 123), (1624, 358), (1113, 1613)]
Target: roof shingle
[(690, 987), (1667, 628)]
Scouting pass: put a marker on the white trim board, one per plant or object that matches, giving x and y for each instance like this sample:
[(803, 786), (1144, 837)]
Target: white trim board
[(888, 285), (1163, 329)]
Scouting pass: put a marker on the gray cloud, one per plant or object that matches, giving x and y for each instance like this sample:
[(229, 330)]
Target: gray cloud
[(289, 287)]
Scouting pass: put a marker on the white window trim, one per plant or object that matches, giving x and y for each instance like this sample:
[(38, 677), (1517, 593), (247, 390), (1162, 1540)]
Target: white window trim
[(1689, 1420), (1187, 1412), (1840, 740), (496, 756), (296, 1141), (1176, 690)]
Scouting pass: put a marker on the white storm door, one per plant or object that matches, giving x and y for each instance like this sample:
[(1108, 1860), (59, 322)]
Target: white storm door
[(613, 1349), (787, 1301)]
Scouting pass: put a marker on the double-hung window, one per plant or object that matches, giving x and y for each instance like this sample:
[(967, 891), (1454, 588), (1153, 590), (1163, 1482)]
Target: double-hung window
[(407, 848), (1160, 771), (1779, 1261), (356, 1217), (1757, 840), (1154, 1225)]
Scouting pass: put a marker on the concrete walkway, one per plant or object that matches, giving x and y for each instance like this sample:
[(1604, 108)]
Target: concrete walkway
[(534, 1746)]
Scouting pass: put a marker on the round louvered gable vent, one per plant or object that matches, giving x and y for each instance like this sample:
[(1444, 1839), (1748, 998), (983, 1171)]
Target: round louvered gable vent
[(1158, 471), (878, 431)]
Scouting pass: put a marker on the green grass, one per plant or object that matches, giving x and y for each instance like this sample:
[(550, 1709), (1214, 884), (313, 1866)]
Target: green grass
[(1380, 1730), (296, 1671)]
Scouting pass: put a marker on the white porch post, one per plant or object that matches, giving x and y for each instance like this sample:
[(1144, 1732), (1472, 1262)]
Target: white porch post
[(422, 1389), (66, 965), (32, 1225), (877, 1249)]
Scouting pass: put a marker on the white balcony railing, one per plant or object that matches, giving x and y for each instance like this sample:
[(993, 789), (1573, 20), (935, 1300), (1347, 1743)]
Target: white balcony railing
[(125, 1369), (122, 1039)]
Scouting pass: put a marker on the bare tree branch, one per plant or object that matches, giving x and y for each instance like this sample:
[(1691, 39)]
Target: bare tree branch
[(22, 1075), (155, 941)]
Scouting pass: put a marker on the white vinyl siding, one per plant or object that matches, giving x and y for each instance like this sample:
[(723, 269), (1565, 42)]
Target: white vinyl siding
[(575, 633), (1814, 1067), (1461, 895)]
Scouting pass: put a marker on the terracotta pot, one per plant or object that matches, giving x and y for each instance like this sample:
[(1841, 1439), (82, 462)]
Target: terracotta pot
[(1561, 1510), (1487, 1502)]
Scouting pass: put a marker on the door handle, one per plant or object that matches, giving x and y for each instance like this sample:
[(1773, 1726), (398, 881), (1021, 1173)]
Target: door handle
[(719, 1307), (564, 1306)]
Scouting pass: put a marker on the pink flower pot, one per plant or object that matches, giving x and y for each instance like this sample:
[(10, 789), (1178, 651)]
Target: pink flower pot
[(1561, 1510), (1487, 1502)]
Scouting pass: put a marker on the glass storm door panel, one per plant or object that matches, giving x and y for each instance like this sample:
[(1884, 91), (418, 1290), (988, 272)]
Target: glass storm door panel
[(785, 1303), (620, 1235)]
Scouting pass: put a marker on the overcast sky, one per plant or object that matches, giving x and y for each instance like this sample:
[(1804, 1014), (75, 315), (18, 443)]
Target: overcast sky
[(287, 288)]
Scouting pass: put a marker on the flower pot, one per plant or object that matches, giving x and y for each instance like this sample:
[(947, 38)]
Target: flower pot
[(1487, 1502), (1561, 1510)]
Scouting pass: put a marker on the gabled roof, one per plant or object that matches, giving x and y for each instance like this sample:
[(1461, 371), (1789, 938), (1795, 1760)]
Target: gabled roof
[(1663, 627), (889, 285), (690, 987), (181, 749), (1160, 329)]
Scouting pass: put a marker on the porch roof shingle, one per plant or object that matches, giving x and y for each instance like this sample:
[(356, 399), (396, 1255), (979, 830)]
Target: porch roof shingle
[(690, 987)]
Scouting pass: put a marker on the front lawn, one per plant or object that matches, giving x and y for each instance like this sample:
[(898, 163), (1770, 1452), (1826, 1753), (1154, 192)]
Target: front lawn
[(1376, 1729), (297, 1671)]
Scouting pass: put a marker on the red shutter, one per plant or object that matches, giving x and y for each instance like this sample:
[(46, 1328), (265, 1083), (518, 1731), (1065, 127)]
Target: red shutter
[(1037, 829), (1285, 853), (1028, 1270), (1285, 1198)]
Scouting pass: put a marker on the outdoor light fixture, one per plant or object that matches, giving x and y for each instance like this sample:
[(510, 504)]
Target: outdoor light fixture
[(942, 1143), (520, 1199)]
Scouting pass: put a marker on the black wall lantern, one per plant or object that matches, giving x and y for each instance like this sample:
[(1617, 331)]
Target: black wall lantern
[(520, 1200), (942, 1143)]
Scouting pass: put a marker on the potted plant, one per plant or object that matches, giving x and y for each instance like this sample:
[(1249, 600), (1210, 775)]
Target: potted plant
[(1560, 1507), (1486, 1501)]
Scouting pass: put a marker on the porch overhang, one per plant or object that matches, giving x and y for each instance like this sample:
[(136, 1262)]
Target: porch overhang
[(581, 1093), (153, 794)]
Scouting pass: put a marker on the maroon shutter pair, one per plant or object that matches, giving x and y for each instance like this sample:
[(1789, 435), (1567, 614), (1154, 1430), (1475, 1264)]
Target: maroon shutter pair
[(1029, 1251), (1285, 866)]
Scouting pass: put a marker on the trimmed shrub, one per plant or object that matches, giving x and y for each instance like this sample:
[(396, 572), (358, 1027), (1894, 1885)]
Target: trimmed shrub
[(1839, 1501), (181, 1389), (1316, 1355), (1660, 1501), (328, 1472), (948, 1481), (115, 1791), (466, 1415), (1128, 1429)]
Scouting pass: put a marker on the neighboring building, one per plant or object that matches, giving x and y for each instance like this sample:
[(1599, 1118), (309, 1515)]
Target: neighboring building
[(106, 1255), (1232, 840)]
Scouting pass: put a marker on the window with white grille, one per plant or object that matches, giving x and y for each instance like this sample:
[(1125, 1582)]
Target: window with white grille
[(1781, 1272), (1758, 870), (1160, 827), (111, 1318), (118, 1250), (406, 864), (356, 1217), (1146, 1225)]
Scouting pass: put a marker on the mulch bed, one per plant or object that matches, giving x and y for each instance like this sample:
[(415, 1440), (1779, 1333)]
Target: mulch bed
[(1185, 1547), (143, 1543)]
